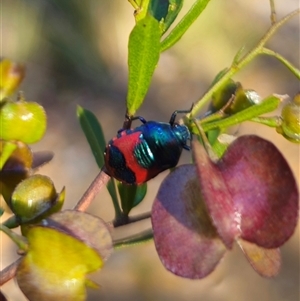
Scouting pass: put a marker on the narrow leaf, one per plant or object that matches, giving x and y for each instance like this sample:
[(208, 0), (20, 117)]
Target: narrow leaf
[(165, 11), (93, 133), (131, 195), (95, 137), (174, 9), (184, 24), (143, 55), (6, 149), (269, 104)]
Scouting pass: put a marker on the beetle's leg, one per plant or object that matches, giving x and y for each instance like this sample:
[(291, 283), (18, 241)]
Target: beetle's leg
[(188, 147), (173, 116), (142, 119), (121, 130), (131, 118), (128, 120)]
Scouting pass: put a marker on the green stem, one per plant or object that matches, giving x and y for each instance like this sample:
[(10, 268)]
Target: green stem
[(123, 219), (273, 12), (141, 11), (237, 66), (134, 4), (134, 239), (11, 222), (291, 67), (20, 240)]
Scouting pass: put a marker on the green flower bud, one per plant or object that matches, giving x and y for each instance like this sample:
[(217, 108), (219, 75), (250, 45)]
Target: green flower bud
[(290, 114), (32, 198), (221, 97), (243, 100), (232, 98), (16, 161)]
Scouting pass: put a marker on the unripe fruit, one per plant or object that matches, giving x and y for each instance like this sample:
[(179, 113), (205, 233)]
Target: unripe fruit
[(23, 121)]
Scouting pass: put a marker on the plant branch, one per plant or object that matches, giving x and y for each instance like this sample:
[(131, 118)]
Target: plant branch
[(134, 239), (139, 217), (125, 220), (9, 272), (283, 60), (273, 12), (238, 65), (99, 182), (19, 240)]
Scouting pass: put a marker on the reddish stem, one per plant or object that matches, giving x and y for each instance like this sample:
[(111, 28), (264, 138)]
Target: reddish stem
[(101, 180), (9, 272)]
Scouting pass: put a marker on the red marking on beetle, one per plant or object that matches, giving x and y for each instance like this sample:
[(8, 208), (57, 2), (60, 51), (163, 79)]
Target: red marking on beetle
[(126, 144)]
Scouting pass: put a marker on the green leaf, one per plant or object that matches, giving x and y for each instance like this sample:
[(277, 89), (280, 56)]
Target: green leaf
[(93, 133), (12, 74), (219, 76), (165, 11), (95, 137), (143, 55), (141, 10), (218, 147), (173, 11), (158, 9), (131, 195), (238, 56), (269, 104), (6, 149), (184, 24)]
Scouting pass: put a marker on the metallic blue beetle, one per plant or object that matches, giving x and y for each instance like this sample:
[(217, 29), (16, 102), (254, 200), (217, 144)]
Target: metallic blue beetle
[(137, 155)]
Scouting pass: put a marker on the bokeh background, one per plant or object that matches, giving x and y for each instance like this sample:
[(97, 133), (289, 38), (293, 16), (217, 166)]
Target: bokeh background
[(76, 54)]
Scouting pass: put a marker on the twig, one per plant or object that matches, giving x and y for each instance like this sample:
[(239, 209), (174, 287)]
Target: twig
[(139, 217), (101, 180), (258, 49), (9, 272), (273, 12), (135, 239)]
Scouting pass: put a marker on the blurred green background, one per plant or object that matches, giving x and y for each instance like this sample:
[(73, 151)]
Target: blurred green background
[(76, 54)]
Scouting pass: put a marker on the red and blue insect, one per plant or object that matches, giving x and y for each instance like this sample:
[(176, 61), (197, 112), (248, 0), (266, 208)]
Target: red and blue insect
[(137, 155)]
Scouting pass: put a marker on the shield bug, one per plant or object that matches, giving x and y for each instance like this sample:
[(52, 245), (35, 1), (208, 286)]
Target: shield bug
[(137, 155)]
